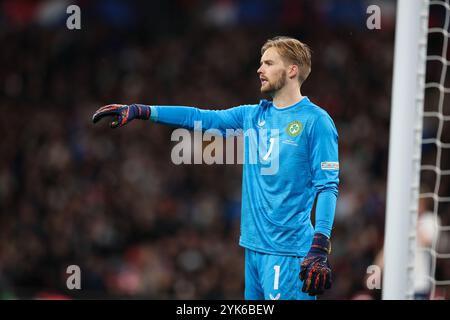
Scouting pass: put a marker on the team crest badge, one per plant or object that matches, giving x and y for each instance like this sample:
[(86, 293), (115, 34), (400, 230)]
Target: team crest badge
[(294, 128)]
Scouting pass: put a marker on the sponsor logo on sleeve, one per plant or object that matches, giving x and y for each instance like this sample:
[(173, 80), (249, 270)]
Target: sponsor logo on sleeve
[(329, 165)]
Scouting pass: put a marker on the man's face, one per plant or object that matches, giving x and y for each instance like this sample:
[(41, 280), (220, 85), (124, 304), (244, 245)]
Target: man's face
[(272, 72)]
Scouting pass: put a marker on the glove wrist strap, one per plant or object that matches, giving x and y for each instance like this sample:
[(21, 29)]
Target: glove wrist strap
[(321, 243), (142, 111)]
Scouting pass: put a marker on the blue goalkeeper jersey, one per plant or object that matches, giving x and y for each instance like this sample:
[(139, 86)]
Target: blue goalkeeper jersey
[(290, 159)]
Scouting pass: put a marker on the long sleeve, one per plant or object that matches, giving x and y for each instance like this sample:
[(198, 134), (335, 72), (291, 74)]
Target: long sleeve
[(325, 171), (186, 117)]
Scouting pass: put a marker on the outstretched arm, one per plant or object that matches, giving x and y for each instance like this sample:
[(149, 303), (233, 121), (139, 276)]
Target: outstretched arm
[(179, 116)]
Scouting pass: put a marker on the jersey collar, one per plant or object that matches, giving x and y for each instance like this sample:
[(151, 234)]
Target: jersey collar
[(303, 101)]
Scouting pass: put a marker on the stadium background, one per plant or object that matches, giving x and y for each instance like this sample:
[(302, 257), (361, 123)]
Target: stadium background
[(111, 201)]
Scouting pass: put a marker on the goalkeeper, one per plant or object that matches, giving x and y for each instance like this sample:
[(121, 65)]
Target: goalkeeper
[(285, 256)]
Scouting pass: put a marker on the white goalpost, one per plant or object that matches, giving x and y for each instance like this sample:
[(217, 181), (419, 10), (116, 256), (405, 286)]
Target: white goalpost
[(411, 109)]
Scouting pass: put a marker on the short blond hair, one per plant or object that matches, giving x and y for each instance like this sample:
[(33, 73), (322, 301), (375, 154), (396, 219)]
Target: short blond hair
[(294, 51)]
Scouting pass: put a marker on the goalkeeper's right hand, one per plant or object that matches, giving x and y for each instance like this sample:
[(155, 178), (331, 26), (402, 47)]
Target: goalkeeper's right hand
[(122, 114)]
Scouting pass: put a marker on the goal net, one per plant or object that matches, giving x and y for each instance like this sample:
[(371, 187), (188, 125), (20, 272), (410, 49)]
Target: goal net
[(432, 274), (417, 239)]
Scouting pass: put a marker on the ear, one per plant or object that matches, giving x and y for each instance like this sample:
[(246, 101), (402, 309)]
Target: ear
[(293, 71)]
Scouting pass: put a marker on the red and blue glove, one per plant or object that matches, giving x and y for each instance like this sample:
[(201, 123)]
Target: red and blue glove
[(122, 114), (315, 270)]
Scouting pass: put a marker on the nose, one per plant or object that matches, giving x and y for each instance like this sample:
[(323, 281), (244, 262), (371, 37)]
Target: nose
[(259, 71)]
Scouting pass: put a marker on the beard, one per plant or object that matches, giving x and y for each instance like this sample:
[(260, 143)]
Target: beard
[(272, 87)]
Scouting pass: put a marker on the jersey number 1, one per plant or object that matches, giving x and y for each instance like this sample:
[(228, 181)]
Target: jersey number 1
[(277, 277)]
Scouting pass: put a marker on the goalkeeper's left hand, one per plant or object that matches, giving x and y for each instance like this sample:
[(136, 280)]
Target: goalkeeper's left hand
[(122, 114), (315, 270)]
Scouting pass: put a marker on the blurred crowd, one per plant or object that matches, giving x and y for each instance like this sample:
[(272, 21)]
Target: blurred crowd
[(112, 202)]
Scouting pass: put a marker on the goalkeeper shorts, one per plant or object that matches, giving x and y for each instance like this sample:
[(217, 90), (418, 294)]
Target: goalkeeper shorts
[(273, 277)]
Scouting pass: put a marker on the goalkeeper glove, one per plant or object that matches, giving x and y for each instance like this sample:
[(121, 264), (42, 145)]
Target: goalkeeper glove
[(122, 114), (315, 270)]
